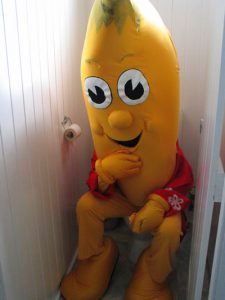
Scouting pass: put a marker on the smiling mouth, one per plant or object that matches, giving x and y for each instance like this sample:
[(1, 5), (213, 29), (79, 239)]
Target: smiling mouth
[(130, 144)]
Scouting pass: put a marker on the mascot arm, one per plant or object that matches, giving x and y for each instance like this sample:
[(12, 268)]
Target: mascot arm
[(96, 185), (118, 165), (178, 187), (174, 193), (150, 216), (102, 186), (104, 173), (167, 201)]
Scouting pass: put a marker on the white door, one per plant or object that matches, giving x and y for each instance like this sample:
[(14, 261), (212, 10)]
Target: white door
[(207, 179)]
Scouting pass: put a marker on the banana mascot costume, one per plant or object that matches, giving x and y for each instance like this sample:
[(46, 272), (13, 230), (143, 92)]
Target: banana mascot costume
[(130, 81)]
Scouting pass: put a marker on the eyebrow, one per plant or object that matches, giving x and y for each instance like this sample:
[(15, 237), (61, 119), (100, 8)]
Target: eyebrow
[(92, 61), (95, 61), (126, 56)]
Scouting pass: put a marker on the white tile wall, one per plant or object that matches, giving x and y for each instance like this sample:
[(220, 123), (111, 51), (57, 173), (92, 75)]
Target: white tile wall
[(40, 177)]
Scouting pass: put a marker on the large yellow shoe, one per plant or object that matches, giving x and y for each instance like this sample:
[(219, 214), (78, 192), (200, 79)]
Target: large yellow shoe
[(143, 287), (90, 279)]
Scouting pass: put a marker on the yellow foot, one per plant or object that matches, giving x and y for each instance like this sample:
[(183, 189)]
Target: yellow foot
[(143, 287), (91, 277)]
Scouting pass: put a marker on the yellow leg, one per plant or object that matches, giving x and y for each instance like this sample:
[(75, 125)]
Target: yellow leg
[(97, 254), (91, 214), (154, 265)]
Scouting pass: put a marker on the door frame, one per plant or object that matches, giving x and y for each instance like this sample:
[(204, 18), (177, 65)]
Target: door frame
[(209, 153)]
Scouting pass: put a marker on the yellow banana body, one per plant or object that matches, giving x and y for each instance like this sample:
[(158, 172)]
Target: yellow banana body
[(128, 53)]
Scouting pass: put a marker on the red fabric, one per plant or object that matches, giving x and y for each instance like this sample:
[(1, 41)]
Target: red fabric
[(92, 182), (178, 186), (174, 192)]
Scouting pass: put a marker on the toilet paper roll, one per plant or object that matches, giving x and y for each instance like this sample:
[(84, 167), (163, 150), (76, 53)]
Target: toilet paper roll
[(72, 132)]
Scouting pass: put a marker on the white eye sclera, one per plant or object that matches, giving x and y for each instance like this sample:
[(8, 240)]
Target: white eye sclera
[(98, 92), (133, 87)]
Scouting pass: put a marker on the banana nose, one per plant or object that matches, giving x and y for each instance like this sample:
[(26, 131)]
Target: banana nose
[(120, 119)]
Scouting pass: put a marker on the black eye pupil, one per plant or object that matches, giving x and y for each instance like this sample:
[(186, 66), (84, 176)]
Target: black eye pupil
[(98, 97), (134, 94)]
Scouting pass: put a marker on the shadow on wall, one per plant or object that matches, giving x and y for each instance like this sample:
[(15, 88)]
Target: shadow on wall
[(222, 149)]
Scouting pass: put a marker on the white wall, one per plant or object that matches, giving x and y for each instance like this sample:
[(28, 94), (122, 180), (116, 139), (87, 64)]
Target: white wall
[(41, 176)]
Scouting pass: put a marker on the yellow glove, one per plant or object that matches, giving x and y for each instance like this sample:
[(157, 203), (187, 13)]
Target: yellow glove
[(150, 216), (117, 166)]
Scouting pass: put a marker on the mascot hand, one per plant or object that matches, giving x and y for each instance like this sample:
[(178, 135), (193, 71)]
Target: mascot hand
[(150, 216), (118, 165)]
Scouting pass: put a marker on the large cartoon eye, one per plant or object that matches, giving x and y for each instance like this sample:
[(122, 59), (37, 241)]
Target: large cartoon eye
[(98, 92), (133, 87)]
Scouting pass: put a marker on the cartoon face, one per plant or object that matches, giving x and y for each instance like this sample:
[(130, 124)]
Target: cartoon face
[(125, 109), (132, 89), (130, 84)]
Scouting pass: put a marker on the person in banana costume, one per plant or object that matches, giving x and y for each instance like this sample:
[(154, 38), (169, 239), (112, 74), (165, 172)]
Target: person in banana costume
[(130, 81)]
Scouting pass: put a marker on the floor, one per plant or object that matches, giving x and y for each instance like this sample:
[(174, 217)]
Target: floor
[(178, 279), (128, 256)]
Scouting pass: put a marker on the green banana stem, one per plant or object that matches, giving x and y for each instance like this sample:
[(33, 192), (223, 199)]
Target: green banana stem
[(109, 11), (108, 6)]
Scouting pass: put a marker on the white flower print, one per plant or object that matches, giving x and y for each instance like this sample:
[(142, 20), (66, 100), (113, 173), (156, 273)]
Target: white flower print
[(169, 189), (175, 202)]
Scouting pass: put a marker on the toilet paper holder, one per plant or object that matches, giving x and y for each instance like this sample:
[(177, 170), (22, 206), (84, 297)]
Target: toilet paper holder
[(71, 131), (66, 121)]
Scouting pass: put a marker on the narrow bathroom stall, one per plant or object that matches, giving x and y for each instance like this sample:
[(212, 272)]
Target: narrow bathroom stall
[(42, 175)]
